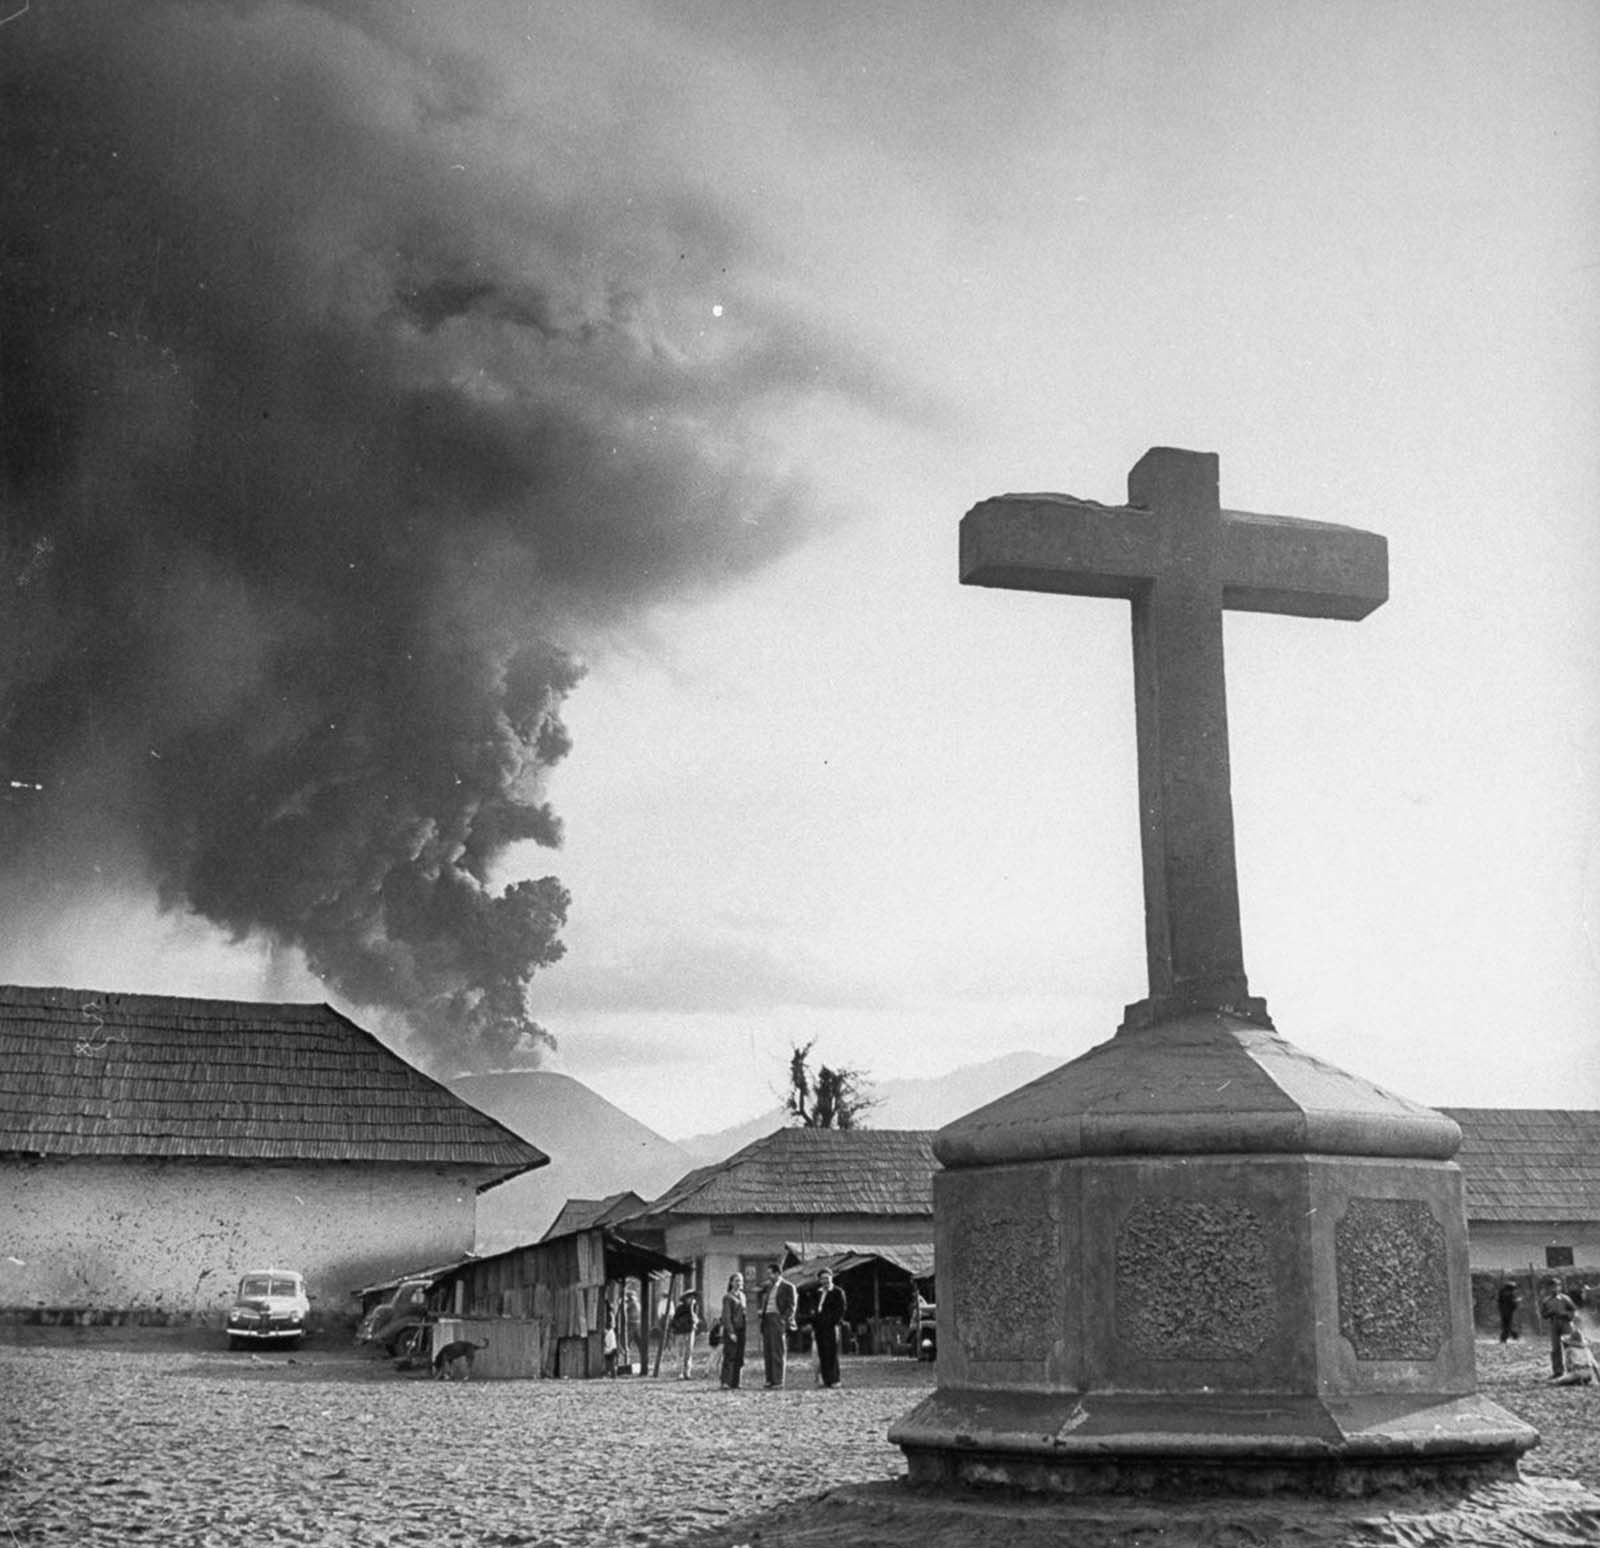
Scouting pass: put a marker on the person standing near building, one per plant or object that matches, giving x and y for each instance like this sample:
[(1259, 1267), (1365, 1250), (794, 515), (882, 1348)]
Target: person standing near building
[(778, 1300), (733, 1324), (1508, 1301), (684, 1326), (1558, 1309), (825, 1327)]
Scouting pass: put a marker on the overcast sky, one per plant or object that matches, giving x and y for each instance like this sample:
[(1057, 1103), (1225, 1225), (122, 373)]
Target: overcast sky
[(432, 438)]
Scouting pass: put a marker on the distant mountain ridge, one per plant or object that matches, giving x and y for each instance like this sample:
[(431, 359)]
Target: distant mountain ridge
[(929, 1102), (595, 1149)]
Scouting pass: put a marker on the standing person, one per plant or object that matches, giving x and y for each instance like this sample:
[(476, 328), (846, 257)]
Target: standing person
[(733, 1331), (825, 1327), (1508, 1301), (778, 1300), (684, 1326), (630, 1330), (1558, 1309)]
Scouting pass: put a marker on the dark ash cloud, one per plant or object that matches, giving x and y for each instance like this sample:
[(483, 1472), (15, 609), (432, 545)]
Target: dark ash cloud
[(349, 387)]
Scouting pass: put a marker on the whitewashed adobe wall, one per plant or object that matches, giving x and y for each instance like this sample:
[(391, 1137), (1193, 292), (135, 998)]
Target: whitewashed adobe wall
[(173, 1237), (1512, 1246)]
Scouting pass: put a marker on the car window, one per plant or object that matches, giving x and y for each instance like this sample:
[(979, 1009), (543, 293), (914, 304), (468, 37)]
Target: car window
[(284, 1287), (255, 1285)]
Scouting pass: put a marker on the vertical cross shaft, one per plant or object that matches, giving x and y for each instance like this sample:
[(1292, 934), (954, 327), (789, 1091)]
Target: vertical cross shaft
[(1180, 559), (1194, 947)]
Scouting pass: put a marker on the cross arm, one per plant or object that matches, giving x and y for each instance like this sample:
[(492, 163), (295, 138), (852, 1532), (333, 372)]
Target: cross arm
[(1265, 564), (1313, 569), (1049, 542)]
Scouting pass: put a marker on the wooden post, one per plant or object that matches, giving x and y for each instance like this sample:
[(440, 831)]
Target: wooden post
[(666, 1322)]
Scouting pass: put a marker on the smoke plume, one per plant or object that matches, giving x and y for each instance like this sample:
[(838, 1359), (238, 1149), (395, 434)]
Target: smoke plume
[(351, 379)]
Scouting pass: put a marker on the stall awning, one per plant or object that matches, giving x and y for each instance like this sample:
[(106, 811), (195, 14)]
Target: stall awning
[(628, 1260), (805, 1260)]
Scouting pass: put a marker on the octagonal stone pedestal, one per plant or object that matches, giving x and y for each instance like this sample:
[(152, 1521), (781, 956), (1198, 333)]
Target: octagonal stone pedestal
[(1198, 1260)]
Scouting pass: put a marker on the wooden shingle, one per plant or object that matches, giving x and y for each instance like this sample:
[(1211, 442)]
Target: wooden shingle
[(813, 1172), (87, 1073), (1529, 1163)]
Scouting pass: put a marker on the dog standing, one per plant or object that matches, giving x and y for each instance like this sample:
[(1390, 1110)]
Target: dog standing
[(454, 1357)]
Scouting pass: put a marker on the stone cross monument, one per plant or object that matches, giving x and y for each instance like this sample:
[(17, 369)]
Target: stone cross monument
[(1196, 1257)]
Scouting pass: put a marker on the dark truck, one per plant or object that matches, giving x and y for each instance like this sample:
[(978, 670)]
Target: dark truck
[(398, 1325)]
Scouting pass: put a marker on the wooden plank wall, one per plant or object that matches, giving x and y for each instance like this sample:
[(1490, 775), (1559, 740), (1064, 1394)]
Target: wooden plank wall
[(516, 1349), (560, 1285)]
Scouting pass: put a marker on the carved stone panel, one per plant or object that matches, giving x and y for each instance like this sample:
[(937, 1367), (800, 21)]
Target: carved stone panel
[(1194, 1280), (1394, 1281), (1006, 1274)]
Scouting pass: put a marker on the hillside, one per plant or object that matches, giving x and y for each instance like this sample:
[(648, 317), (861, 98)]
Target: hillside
[(594, 1147), (928, 1103)]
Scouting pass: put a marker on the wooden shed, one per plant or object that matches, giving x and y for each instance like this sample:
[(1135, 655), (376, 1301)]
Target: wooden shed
[(543, 1308)]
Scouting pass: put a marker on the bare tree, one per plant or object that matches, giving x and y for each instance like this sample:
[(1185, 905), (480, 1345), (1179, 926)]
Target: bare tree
[(835, 1099)]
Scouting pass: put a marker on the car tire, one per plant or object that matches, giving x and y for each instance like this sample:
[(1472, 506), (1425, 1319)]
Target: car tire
[(234, 1343)]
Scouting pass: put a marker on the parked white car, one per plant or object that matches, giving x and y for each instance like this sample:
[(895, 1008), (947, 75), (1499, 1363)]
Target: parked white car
[(271, 1307)]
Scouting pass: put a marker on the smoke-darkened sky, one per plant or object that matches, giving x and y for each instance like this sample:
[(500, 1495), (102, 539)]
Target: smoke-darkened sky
[(356, 378), (480, 503)]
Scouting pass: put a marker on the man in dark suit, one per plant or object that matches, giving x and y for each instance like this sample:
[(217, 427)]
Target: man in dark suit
[(825, 1327), (778, 1301)]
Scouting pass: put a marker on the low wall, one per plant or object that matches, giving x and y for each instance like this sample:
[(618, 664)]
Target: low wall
[(1582, 1284)]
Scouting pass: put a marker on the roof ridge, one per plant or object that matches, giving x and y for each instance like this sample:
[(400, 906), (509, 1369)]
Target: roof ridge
[(62, 998)]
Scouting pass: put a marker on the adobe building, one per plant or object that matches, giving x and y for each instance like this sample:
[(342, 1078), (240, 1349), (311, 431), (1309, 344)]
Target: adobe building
[(789, 1193), (1533, 1187), (153, 1148)]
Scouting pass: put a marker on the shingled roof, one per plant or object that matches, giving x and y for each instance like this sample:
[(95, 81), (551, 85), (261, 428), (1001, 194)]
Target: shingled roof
[(813, 1172), (84, 1073), (585, 1214), (1529, 1163)]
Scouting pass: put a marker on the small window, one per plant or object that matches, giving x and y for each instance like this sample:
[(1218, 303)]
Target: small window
[(1558, 1257), (722, 1228)]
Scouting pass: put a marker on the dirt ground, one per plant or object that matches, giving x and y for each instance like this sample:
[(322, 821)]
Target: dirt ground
[(116, 1436), (1567, 1418)]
